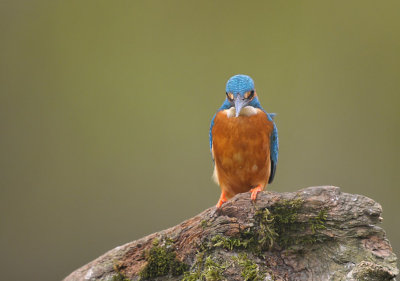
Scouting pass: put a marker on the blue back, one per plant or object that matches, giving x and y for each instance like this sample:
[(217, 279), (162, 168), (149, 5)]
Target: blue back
[(240, 84)]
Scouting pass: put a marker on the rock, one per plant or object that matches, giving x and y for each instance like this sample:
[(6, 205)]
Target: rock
[(317, 233)]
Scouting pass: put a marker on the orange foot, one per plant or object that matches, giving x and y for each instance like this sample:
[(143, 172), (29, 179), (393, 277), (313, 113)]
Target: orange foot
[(222, 200), (254, 192)]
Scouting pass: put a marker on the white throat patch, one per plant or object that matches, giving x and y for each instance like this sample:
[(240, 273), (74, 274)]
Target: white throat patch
[(246, 111)]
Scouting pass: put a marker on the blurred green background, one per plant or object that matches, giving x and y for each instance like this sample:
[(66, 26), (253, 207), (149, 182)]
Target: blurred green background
[(105, 109)]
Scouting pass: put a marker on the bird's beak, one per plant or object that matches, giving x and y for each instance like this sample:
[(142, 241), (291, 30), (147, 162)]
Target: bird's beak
[(239, 104)]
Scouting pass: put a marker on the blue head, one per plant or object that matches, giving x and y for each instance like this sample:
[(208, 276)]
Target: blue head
[(240, 92)]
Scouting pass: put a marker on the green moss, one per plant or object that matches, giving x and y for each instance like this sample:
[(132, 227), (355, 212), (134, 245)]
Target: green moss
[(286, 211), (318, 223), (196, 274), (206, 269), (250, 270), (277, 225), (306, 233), (213, 271), (230, 243), (162, 261), (119, 276), (204, 224), (289, 231), (274, 224), (192, 276), (266, 233), (285, 223)]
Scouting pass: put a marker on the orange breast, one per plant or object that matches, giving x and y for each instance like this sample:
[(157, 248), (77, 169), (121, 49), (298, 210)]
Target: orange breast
[(241, 149)]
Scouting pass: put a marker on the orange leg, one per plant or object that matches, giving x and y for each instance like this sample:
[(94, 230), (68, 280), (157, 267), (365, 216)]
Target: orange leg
[(254, 192), (222, 200)]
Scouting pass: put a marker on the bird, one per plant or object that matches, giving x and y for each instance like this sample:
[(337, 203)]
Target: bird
[(243, 142)]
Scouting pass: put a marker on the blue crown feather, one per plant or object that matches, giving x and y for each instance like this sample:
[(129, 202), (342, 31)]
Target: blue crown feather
[(239, 84)]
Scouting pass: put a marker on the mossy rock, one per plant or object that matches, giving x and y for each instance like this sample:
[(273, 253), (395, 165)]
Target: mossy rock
[(162, 261)]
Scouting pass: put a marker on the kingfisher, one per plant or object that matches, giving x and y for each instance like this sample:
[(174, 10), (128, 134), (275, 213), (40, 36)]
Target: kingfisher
[(243, 141)]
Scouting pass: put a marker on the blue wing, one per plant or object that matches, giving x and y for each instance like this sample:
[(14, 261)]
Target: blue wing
[(274, 149), (274, 142), (225, 105), (210, 133)]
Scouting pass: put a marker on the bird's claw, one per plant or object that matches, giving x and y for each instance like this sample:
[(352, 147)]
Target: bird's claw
[(255, 191), (222, 200)]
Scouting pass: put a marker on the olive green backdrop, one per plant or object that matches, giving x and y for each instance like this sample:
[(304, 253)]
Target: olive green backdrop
[(105, 109)]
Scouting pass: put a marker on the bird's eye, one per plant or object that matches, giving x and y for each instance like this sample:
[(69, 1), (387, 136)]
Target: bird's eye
[(249, 95), (229, 96)]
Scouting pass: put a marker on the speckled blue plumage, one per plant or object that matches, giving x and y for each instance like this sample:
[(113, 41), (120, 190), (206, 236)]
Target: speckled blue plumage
[(240, 84)]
